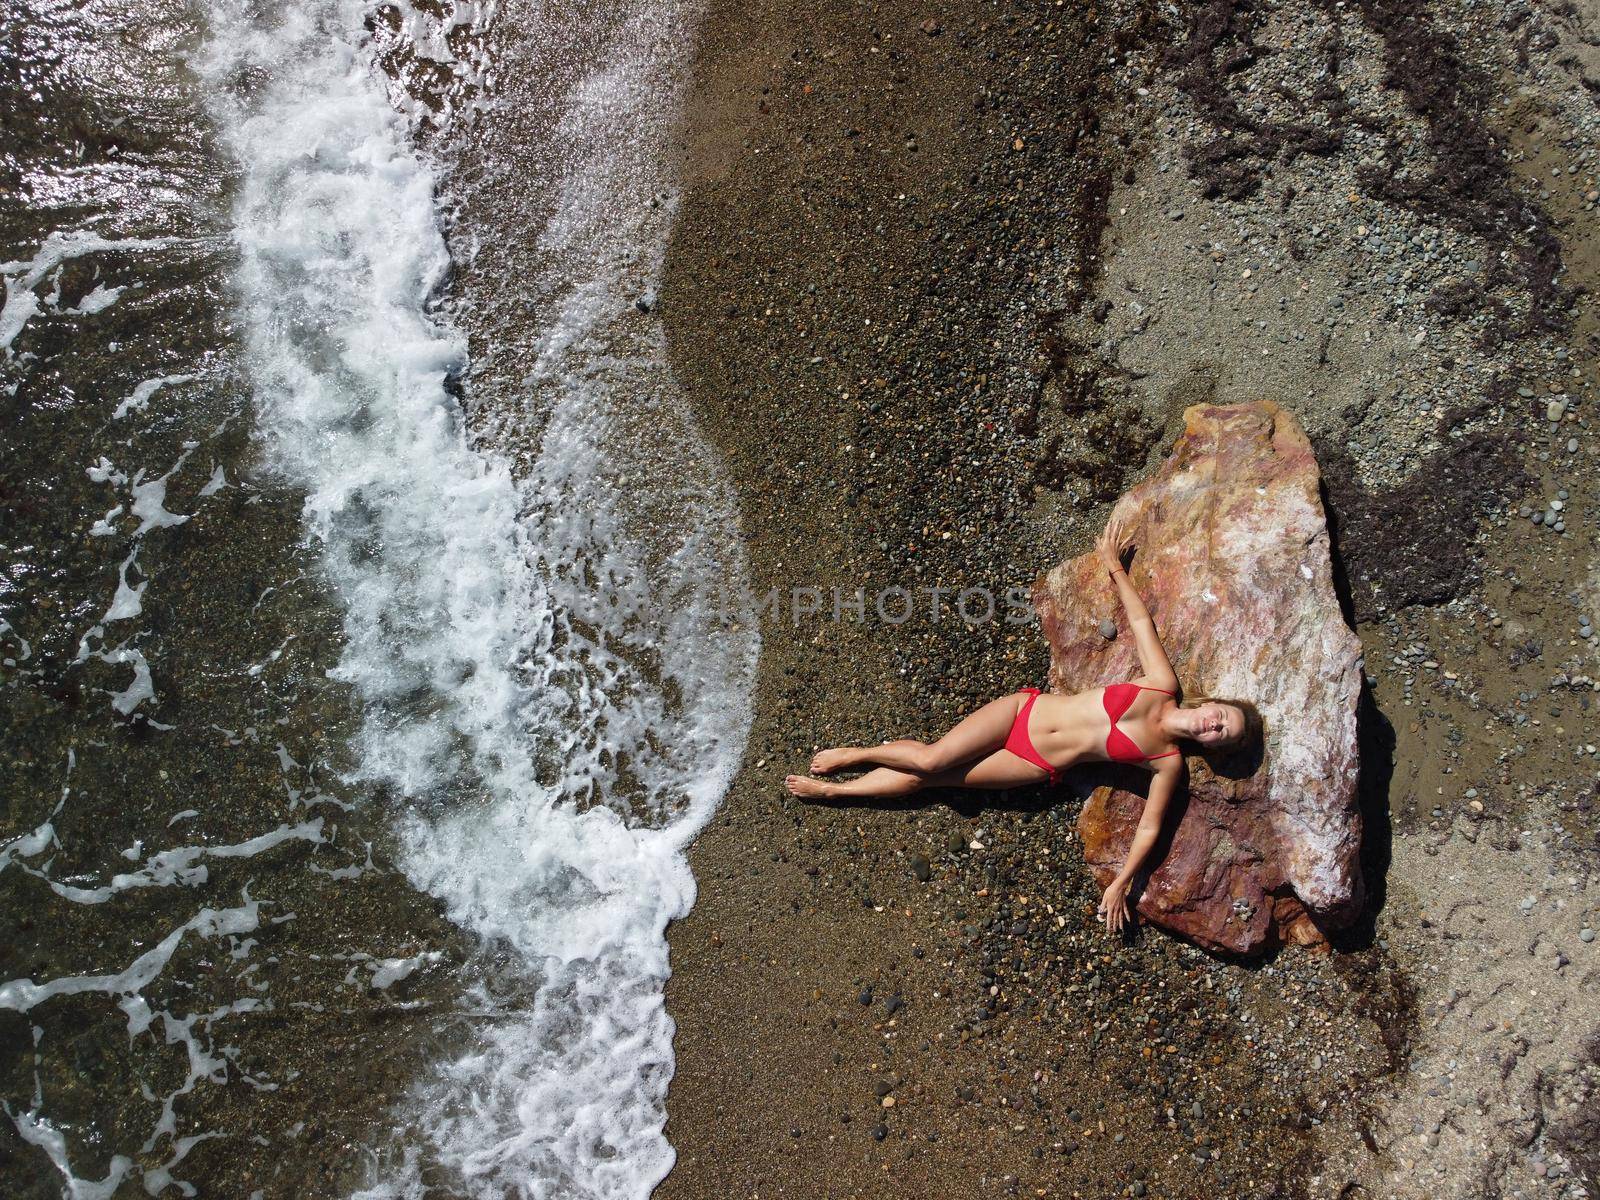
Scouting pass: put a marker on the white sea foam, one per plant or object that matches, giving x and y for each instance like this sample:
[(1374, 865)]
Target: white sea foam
[(140, 397), (22, 303), (21, 995), (180, 866), (546, 677), (97, 300), (39, 1132)]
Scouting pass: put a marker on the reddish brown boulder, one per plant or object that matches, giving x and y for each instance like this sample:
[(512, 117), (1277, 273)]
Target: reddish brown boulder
[(1233, 561)]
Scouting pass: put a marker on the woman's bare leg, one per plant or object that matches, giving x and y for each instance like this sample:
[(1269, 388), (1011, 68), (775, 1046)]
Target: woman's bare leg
[(1001, 769), (885, 781), (973, 736), (899, 753)]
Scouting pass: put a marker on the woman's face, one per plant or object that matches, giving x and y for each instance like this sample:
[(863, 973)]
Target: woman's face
[(1216, 724)]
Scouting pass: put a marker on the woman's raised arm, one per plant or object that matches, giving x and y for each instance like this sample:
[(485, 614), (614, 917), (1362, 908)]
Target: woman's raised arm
[(1152, 657)]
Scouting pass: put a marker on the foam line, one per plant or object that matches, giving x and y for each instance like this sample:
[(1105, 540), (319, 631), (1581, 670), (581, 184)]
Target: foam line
[(182, 866), (22, 995), (547, 681)]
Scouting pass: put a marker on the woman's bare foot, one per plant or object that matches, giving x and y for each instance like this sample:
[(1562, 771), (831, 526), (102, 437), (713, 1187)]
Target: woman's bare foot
[(827, 762), (807, 788)]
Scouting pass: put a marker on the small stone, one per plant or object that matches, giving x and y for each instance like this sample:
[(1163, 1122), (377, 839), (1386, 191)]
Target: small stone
[(1108, 628), (921, 868), (1527, 903), (1586, 934), (1572, 445), (879, 1132), (1555, 410)]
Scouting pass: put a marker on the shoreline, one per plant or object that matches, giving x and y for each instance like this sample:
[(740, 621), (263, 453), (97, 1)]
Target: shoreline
[(940, 376)]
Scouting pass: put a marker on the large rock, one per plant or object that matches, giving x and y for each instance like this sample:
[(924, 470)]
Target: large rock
[(1232, 560)]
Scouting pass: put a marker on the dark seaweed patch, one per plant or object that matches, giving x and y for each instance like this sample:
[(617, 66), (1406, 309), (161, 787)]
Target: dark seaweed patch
[(1415, 543), (1464, 181), (1221, 43), (1468, 184)]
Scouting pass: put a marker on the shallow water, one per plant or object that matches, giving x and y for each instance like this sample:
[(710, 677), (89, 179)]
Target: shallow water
[(362, 694)]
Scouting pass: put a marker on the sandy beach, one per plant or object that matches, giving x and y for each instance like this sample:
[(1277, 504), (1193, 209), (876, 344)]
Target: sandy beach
[(940, 288)]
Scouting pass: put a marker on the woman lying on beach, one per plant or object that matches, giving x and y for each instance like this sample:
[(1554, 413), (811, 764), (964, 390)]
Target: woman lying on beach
[(1031, 737)]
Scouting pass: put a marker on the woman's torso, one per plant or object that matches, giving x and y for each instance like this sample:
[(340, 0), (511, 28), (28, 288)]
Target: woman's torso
[(1070, 729)]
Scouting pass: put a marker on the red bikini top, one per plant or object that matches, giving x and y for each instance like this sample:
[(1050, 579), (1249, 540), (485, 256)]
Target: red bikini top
[(1119, 746)]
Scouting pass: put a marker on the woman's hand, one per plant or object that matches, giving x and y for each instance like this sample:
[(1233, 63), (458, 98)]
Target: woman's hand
[(1112, 539), (1114, 905)]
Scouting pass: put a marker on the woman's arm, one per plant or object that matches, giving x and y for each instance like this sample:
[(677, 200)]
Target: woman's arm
[(1114, 903), (1152, 657)]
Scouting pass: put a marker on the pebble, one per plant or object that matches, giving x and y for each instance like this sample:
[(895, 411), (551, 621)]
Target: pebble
[(1527, 903), (1555, 410), (1586, 934), (1108, 628), (921, 868)]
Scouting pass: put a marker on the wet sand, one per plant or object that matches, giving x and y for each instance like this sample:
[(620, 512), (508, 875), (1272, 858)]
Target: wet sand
[(939, 293)]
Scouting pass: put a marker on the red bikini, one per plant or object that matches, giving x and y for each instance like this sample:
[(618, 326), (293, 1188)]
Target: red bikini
[(1118, 698)]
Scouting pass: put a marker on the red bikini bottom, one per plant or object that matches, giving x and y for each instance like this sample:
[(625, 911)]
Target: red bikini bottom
[(1020, 744)]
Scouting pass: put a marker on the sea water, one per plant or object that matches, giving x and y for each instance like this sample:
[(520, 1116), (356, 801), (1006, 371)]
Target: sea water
[(529, 581)]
